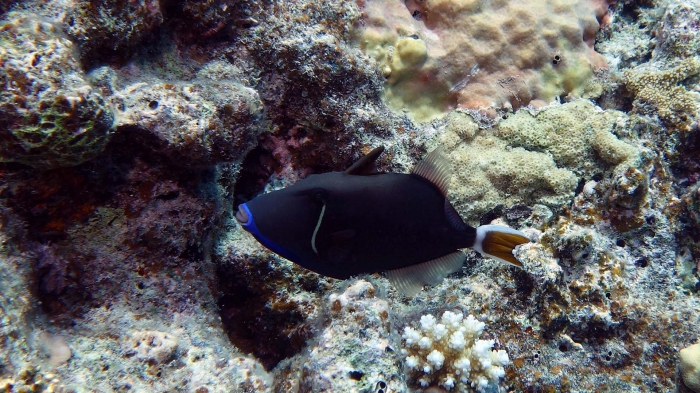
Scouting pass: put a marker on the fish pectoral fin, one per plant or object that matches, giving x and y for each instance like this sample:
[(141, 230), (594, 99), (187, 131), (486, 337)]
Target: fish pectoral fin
[(340, 245), (366, 165), (499, 242), (435, 168), (411, 279)]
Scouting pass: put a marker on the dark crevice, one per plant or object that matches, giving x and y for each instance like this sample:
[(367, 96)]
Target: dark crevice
[(54, 202), (256, 169), (254, 320)]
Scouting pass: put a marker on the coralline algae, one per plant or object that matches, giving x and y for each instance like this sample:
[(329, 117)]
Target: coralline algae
[(130, 133)]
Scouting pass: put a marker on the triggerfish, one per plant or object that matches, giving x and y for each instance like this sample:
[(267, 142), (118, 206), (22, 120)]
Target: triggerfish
[(341, 224)]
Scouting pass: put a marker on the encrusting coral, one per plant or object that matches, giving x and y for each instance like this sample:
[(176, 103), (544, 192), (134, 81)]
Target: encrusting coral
[(110, 28), (533, 158), (438, 54), (449, 353), (131, 268), (690, 366), (210, 119), (659, 91)]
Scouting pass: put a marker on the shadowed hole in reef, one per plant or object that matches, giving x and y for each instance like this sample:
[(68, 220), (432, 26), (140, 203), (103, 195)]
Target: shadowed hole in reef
[(256, 169), (256, 320), (298, 150)]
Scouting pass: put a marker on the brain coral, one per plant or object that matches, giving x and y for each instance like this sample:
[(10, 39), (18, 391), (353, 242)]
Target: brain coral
[(480, 53), (49, 115)]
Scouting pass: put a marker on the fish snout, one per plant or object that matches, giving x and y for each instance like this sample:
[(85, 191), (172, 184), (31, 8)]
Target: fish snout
[(242, 215)]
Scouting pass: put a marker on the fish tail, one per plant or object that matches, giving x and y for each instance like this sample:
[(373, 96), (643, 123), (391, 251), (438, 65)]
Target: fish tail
[(499, 242)]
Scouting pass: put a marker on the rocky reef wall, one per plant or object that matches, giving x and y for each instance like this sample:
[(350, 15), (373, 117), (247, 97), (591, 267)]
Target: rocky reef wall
[(128, 134)]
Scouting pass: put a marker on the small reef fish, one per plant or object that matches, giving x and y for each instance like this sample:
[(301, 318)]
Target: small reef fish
[(341, 224)]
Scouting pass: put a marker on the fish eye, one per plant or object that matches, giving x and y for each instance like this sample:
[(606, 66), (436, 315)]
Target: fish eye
[(320, 194)]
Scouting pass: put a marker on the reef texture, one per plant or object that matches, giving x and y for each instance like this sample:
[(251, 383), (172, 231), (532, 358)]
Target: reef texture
[(534, 158), (130, 132), (438, 54), (205, 120), (104, 29), (50, 115)]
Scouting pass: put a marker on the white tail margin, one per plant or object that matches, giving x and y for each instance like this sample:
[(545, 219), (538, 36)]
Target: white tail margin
[(499, 242)]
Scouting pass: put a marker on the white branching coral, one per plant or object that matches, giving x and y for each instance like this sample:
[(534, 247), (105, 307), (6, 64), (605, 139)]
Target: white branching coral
[(449, 353)]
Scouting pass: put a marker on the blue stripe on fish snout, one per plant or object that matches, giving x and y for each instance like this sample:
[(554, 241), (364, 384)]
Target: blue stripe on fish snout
[(252, 228)]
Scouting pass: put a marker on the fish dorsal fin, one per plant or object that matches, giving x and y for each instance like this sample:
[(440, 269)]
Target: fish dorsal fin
[(435, 168), (453, 217), (367, 164), (411, 279)]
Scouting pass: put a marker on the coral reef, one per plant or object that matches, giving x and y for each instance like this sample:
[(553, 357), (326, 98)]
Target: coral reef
[(211, 19), (32, 380), (151, 346), (690, 366), (355, 349), (130, 131), (50, 115), (442, 53), (210, 119), (678, 30), (110, 300), (110, 28), (657, 92), (267, 303), (15, 306), (316, 85), (533, 159)]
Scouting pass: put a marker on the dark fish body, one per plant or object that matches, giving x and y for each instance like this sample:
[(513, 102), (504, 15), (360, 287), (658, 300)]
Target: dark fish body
[(371, 223), (341, 224)]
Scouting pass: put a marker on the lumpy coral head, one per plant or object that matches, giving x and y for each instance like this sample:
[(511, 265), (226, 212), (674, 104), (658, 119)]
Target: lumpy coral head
[(475, 54), (50, 116)]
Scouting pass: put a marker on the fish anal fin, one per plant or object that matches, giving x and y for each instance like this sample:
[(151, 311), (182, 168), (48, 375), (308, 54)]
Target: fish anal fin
[(367, 165), (435, 168), (498, 242), (340, 246), (410, 280), (453, 217)]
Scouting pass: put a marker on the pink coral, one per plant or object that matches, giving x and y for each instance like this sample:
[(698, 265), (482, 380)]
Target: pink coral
[(437, 54)]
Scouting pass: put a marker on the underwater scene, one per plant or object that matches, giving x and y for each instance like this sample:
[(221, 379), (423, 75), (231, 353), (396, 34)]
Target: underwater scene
[(361, 196)]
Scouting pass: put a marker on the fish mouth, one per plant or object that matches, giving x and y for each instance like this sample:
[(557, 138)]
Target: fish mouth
[(242, 215)]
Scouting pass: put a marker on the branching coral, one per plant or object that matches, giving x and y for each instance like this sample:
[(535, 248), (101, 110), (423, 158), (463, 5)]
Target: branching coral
[(450, 354)]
